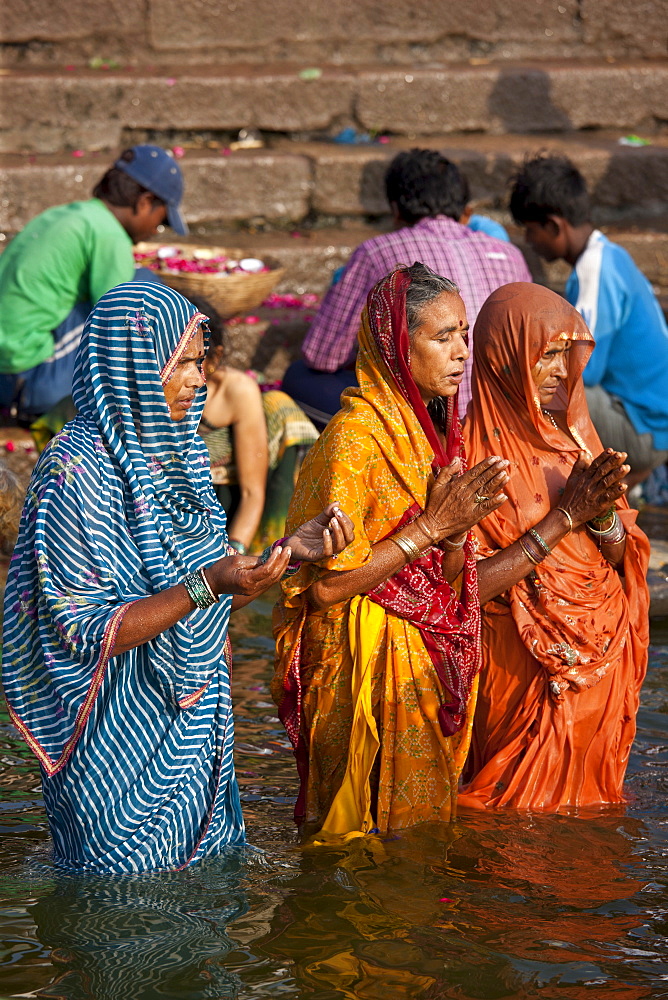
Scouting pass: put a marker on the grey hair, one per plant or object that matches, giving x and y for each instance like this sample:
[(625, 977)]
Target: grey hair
[(425, 285)]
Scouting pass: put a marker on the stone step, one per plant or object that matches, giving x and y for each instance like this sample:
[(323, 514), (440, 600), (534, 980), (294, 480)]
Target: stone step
[(40, 32), (289, 182), (52, 110)]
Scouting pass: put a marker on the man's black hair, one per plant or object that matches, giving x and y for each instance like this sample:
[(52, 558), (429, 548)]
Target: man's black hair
[(549, 185), (118, 188), (423, 183)]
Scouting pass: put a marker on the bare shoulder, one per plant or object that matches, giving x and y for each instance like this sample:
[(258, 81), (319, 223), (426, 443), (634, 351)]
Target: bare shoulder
[(242, 395)]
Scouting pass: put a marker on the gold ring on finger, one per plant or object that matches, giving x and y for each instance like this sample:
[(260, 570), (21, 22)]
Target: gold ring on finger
[(480, 498)]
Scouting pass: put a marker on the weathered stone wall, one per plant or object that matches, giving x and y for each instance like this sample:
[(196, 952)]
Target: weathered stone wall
[(150, 32), (44, 111)]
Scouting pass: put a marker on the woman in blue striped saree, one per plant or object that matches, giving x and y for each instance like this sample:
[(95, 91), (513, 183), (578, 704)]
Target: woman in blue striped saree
[(115, 675)]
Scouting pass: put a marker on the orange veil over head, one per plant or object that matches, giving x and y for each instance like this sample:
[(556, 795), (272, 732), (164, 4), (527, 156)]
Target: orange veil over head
[(568, 610), (574, 617)]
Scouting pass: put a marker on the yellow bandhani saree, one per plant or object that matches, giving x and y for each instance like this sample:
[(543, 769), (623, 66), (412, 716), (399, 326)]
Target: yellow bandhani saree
[(377, 693)]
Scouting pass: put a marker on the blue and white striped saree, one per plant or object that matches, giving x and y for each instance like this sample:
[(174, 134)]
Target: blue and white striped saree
[(136, 750)]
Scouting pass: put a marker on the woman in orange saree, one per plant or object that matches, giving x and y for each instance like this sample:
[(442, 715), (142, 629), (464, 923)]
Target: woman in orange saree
[(378, 650), (564, 650)]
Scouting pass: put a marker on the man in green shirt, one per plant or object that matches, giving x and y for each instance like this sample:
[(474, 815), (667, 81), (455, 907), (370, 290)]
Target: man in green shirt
[(56, 269)]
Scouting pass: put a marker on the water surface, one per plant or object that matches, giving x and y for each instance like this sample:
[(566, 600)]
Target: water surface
[(490, 907)]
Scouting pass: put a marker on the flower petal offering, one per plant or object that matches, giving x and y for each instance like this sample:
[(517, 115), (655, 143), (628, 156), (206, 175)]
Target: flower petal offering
[(233, 282), (196, 260)]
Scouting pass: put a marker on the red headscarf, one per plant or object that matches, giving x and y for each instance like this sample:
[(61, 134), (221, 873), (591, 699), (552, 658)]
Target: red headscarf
[(448, 623)]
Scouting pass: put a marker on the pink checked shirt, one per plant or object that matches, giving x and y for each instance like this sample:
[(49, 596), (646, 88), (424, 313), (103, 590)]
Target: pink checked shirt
[(476, 262)]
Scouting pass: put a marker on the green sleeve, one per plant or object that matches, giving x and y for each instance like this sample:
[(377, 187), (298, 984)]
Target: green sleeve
[(111, 261)]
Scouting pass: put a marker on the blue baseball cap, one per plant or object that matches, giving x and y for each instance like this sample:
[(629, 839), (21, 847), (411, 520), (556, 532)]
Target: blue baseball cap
[(157, 170)]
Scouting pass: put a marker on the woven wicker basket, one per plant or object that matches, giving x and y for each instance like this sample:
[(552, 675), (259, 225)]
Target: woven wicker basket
[(230, 294)]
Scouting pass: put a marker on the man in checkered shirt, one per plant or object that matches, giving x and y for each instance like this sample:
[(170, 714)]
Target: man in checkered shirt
[(428, 196)]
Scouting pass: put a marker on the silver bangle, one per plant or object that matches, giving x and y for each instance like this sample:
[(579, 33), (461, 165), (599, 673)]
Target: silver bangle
[(205, 580), (454, 546), (427, 534)]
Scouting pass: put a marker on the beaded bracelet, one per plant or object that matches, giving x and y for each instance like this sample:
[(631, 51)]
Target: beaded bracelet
[(602, 531), (237, 546), (602, 518), (199, 591), (540, 540)]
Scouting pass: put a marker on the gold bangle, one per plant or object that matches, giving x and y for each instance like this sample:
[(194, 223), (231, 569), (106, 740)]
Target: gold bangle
[(407, 546), (567, 516), (527, 553)]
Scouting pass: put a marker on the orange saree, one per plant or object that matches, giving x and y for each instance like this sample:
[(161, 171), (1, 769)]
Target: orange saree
[(565, 650), (376, 693)]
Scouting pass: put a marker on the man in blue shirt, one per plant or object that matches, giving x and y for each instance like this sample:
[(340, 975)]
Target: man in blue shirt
[(626, 380)]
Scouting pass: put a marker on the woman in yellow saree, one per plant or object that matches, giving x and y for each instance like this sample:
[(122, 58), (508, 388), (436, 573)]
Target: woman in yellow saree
[(378, 649)]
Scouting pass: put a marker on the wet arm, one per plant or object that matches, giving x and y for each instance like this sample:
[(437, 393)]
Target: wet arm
[(242, 576), (506, 568), (386, 560)]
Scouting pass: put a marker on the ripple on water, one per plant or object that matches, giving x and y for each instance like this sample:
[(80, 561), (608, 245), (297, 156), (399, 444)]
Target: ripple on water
[(490, 907)]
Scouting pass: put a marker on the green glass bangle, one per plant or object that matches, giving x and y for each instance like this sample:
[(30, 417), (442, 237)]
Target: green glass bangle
[(199, 591), (540, 540)]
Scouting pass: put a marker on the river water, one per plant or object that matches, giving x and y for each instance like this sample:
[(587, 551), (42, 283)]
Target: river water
[(491, 907)]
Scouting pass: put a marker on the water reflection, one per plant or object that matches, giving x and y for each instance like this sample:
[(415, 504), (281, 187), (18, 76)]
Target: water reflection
[(495, 909), (497, 906), (154, 936)]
